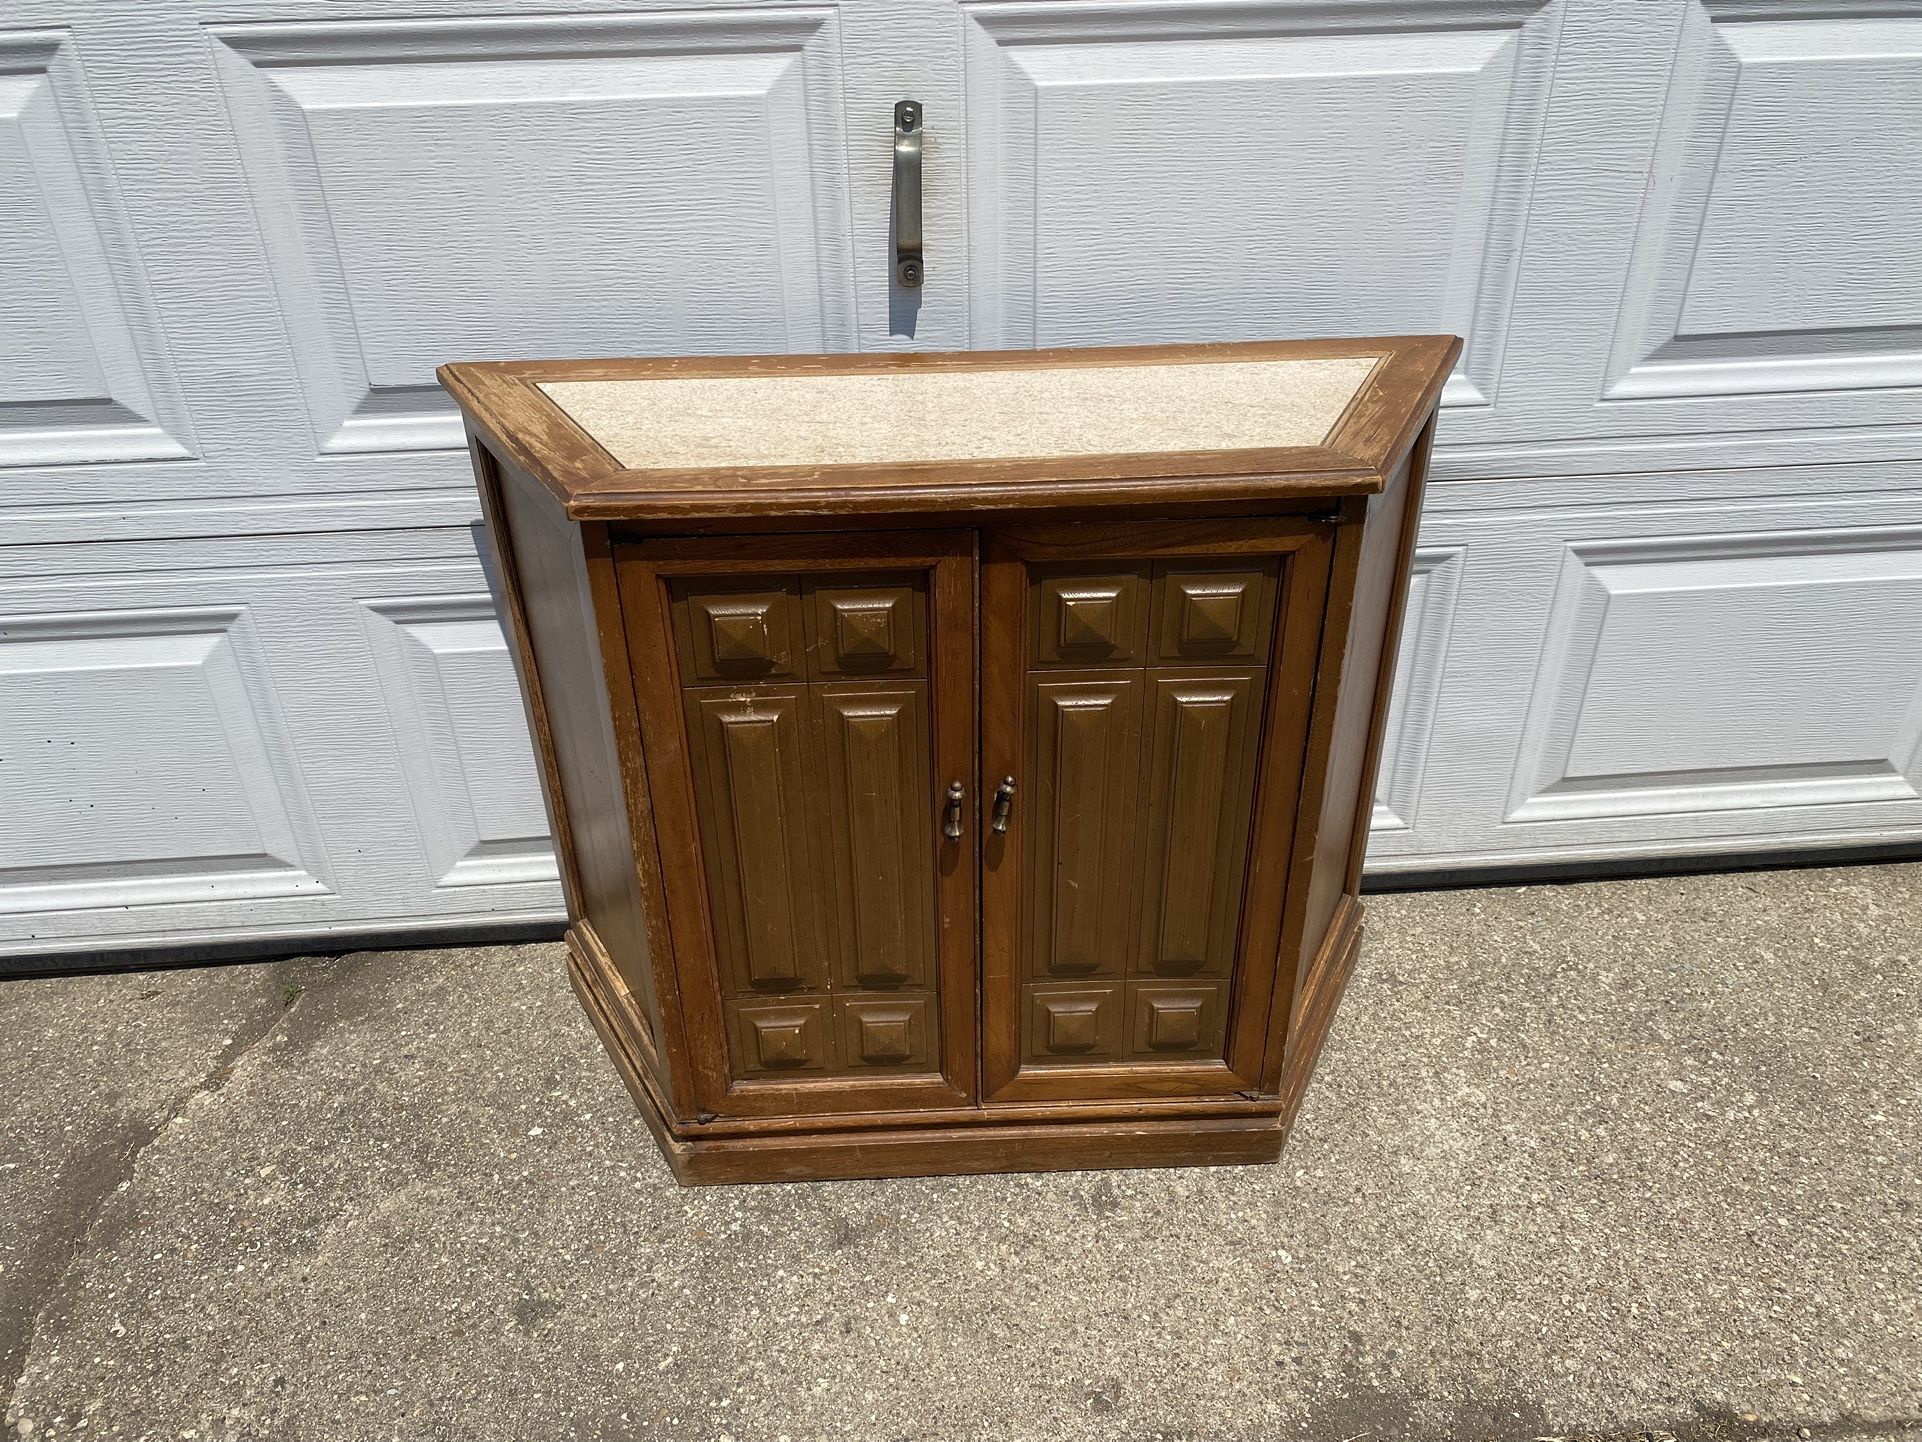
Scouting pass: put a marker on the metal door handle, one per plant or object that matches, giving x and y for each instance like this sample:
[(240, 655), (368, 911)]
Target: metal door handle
[(1003, 806), (951, 818), (907, 193)]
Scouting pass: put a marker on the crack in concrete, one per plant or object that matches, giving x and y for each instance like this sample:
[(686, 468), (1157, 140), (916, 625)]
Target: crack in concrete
[(104, 1182)]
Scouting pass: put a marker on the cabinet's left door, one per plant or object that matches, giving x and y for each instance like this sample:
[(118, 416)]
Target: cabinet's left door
[(807, 707)]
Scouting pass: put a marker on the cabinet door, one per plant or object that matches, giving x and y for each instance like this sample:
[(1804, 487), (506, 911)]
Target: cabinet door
[(1144, 711), (806, 703)]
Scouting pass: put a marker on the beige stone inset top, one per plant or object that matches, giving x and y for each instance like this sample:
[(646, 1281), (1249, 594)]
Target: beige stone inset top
[(739, 422)]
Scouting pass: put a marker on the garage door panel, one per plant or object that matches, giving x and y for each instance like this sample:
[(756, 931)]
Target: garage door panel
[(1667, 679), (1428, 629), (147, 763), (1779, 246), (444, 675), (83, 374), (1699, 673), (480, 189), (1177, 172), (274, 736)]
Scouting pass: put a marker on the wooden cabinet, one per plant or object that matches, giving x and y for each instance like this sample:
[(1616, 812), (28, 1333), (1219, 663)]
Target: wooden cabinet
[(959, 762)]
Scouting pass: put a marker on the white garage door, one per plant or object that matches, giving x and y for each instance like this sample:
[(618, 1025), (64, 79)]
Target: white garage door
[(1670, 583)]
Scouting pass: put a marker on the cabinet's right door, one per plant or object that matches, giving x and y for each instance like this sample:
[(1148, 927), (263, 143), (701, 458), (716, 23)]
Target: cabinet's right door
[(1146, 692)]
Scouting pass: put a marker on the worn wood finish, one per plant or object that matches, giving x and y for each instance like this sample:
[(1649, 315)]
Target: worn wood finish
[(505, 400), (748, 733), (1115, 959), (564, 637), (796, 881)]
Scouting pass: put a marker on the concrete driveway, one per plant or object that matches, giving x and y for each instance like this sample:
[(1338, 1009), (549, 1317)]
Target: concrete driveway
[(1590, 1160)]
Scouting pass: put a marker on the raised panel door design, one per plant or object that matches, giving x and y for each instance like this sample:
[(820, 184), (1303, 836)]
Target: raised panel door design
[(1214, 614), (749, 760), (891, 1033), (1200, 777), (83, 373), (835, 915), (1172, 1021), (1090, 620), (1074, 1025), (443, 662), (1083, 843), (781, 1038), (1168, 172), (879, 833), (1779, 243), (187, 789), (540, 186), (1115, 905)]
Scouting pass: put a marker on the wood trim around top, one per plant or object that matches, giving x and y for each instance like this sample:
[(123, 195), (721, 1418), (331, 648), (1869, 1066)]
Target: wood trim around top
[(504, 400)]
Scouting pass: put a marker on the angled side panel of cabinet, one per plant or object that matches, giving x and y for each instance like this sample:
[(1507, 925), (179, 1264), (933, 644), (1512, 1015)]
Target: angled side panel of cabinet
[(1321, 930), (563, 621), (805, 702)]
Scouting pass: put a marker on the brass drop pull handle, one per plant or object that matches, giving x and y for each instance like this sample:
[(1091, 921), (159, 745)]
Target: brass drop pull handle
[(1003, 806), (907, 194), (951, 818)]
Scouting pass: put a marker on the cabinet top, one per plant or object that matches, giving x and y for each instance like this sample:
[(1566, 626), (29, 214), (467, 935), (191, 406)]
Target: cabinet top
[(744, 436)]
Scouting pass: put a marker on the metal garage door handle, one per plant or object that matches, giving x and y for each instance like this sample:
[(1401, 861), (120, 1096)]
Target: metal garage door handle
[(907, 193)]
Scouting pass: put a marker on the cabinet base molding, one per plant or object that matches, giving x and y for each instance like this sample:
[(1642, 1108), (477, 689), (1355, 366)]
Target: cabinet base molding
[(1321, 991), (1065, 1137)]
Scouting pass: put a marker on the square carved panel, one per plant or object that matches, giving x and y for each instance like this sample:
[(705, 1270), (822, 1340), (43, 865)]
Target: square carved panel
[(865, 626), (1174, 1021), (886, 1033), (780, 1039), (1099, 618), (1214, 613), (750, 631), (1075, 1025)]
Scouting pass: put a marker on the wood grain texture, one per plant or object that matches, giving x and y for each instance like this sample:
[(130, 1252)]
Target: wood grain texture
[(1200, 771), (783, 856), (875, 752), (1134, 817), (1140, 969), (557, 625), (506, 397), (1325, 978), (1009, 1147), (1366, 600), (750, 751)]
